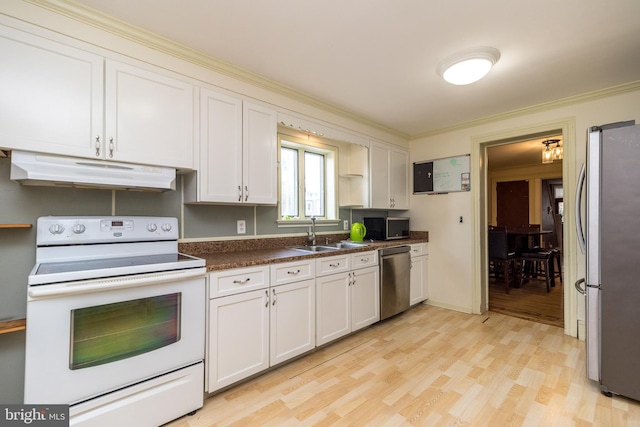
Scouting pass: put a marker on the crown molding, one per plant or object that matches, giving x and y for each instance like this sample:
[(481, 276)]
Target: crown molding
[(94, 18), (154, 41), (589, 96)]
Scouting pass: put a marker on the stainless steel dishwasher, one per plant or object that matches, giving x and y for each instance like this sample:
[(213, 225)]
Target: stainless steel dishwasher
[(395, 267)]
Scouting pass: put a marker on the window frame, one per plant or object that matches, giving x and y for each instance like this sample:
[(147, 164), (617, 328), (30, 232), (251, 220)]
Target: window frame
[(330, 153)]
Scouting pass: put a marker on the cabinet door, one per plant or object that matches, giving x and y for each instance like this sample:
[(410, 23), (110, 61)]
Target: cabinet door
[(293, 320), (260, 152), (220, 168), (333, 308), (399, 179), (238, 344), (51, 97), (148, 117), (417, 292), (365, 297), (379, 175)]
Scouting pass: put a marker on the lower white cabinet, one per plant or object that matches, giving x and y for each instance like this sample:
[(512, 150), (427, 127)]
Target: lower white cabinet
[(365, 297), (293, 320), (419, 284), (347, 301), (251, 330), (334, 308), (238, 344)]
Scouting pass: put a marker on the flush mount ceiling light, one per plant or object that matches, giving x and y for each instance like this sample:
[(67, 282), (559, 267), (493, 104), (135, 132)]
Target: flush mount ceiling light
[(469, 65)]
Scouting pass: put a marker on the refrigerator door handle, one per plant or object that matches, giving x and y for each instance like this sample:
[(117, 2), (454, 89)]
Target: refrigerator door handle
[(579, 288), (579, 229)]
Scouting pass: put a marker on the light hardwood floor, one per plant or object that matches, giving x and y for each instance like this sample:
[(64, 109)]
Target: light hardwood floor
[(428, 367)]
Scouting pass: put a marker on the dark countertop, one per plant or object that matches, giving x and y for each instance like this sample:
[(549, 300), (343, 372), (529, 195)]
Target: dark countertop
[(223, 260)]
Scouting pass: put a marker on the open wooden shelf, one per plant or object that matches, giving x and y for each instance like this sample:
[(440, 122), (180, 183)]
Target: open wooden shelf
[(12, 326), (15, 225)]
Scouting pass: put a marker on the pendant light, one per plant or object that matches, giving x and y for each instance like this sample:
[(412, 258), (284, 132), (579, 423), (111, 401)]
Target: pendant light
[(551, 154), (558, 152)]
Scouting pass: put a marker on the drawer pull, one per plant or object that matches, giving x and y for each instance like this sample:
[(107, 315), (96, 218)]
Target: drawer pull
[(294, 272), (335, 265), (364, 259), (241, 282)]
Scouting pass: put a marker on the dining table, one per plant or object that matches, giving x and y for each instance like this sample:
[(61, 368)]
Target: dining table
[(522, 238)]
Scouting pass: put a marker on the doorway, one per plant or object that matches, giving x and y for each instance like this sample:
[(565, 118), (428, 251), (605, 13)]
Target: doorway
[(521, 191)]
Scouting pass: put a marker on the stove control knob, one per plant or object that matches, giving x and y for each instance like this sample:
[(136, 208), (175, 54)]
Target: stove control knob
[(56, 229), (79, 228), (152, 227), (166, 227)]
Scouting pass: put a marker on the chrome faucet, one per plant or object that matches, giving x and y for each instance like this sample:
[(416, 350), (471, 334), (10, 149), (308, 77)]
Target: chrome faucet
[(312, 232)]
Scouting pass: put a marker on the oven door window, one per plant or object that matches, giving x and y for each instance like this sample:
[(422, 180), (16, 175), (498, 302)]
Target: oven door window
[(111, 332)]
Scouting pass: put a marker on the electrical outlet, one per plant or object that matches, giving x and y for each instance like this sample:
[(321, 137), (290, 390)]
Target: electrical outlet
[(242, 226), (345, 225)]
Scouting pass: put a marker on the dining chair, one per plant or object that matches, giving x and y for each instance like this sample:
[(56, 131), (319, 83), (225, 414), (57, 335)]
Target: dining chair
[(500, 258), (540, 262)]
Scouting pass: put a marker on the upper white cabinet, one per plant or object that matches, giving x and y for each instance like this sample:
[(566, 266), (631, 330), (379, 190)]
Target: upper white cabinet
[(59, 99), (389, 172), (148, 117), (238, 152), (260, 154), (51, 95)]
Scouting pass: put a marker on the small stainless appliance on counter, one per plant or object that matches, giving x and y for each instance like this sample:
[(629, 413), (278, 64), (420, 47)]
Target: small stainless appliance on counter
[(387, 228), (395, 270)]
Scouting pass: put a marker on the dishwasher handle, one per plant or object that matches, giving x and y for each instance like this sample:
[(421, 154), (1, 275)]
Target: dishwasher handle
[(395, 250)]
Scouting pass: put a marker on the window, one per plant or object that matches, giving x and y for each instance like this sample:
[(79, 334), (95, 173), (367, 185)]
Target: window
[(307, 179)]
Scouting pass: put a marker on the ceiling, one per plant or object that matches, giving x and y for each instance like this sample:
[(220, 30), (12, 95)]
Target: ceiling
[(522, 153), (377, 59)]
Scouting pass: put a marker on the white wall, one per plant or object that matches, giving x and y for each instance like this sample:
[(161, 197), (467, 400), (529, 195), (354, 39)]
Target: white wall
[(454, 247)]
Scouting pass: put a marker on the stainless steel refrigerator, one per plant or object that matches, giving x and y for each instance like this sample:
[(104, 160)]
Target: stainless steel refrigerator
[(611, 239)]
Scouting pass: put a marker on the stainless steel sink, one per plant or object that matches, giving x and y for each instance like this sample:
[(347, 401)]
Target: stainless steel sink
[(315, 248), (347, 245), (330, 247)]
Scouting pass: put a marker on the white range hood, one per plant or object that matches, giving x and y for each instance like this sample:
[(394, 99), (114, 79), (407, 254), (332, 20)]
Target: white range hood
[(58, 171)]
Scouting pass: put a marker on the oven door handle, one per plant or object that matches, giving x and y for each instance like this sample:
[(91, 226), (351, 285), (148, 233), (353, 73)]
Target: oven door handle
[(108, 284)]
